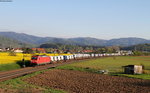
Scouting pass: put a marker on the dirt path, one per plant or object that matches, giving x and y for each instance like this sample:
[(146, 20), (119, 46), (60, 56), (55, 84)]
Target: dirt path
[(84, 82)]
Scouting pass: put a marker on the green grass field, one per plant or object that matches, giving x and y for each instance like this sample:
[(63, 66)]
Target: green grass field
[(7, 67), (112, 64)]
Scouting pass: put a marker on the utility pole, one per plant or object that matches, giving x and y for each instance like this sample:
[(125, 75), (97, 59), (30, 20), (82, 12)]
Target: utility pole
[(23, 60)]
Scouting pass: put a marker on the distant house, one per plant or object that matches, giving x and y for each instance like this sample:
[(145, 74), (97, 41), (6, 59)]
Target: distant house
[(18, 50), (39, 50), (87, 51), (124, 52), (1, 49), (8, 48)]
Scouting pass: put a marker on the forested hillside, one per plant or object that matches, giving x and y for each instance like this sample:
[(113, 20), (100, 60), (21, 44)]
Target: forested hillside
[(83, 41)]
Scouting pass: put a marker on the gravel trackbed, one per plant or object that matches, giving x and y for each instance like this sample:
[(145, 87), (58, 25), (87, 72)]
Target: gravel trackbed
[(85, 82)]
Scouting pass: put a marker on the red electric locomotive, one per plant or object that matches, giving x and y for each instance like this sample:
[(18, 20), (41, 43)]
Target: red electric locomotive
[(40, 59)]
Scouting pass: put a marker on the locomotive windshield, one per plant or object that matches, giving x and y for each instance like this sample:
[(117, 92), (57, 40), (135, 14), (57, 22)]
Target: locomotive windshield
[(34, 58)]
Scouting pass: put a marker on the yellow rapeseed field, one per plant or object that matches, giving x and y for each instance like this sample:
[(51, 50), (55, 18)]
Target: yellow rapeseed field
[(6, 58)]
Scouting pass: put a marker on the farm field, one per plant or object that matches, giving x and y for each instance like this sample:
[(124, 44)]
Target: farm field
[(83, 77), (84, 82), (6, 58), (112, 64), (10, 62)]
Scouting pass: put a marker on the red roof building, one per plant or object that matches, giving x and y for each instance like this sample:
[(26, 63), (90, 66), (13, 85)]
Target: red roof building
[(87, 51), (41, 50)]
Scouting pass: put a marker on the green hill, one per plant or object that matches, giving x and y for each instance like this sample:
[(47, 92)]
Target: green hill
[(7, 42), (83, 41)]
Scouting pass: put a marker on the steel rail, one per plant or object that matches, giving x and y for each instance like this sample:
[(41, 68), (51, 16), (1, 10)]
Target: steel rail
[(20, 72)]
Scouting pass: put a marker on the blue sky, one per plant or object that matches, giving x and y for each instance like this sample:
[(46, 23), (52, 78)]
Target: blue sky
[(103, 19)]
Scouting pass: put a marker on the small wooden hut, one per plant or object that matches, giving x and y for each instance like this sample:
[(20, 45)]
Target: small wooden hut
[(133, 69)]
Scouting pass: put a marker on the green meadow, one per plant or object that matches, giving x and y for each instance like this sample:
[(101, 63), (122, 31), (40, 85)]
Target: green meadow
[(114, 65)]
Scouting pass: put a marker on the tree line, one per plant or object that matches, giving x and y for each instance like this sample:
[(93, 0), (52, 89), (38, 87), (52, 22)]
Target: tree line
[(52, 47)]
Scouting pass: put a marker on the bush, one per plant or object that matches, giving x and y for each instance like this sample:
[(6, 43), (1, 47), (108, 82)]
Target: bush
[(12, 53)]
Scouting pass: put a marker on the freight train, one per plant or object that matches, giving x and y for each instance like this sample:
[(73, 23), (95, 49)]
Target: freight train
[(43, 59)]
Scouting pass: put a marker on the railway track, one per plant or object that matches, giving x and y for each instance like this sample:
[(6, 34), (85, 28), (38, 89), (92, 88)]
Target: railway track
[(24, 71)]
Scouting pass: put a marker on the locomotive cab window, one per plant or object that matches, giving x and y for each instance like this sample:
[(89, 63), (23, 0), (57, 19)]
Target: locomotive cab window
[(34, 58)]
